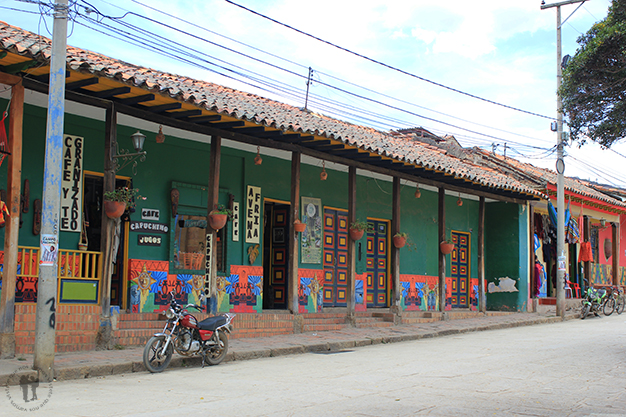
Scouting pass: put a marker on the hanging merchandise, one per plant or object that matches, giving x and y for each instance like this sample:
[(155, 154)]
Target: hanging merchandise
[(585, 254), (4, 211)]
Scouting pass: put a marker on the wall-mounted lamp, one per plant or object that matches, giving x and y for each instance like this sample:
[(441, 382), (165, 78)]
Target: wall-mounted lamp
[(138, 139), (602, 223), (257, 159), (323, 174)]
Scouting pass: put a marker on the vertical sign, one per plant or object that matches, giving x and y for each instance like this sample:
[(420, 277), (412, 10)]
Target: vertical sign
[(253, 214), (72, 184), (208, 253), (235, 222)]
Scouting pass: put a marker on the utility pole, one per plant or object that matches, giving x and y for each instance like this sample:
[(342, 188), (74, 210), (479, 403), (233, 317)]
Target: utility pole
[(49, 243), (560, 163)]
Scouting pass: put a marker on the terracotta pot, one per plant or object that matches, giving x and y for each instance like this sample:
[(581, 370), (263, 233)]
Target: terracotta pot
[(299, 226), (399, 241), (356, 234), (217, 221), (446, 248), (114, 209)]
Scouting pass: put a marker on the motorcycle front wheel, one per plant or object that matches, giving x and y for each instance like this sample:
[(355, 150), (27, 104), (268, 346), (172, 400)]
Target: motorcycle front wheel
[(609, 307), (153, 357), (584, 311), (217, 353)]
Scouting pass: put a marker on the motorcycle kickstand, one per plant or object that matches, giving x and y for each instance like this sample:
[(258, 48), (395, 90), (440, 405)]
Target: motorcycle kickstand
[(203, 358)]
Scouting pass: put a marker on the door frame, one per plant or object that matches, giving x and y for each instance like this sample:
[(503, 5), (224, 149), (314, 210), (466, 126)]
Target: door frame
[(267, 277), (469, 265)]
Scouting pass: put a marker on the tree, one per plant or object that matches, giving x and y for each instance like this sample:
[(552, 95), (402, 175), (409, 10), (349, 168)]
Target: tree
[(594, 81)]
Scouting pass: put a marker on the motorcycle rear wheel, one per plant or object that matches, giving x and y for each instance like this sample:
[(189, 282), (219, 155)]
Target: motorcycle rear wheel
[(609, 306), (619, 307), (584, 311), (153, 359), (216, 354)]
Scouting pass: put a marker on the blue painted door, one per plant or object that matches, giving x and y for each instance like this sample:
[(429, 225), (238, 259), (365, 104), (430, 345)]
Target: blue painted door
[(377, 271), (335, 257)]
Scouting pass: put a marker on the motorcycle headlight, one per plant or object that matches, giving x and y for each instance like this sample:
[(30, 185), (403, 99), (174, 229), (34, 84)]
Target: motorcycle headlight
[(169, 314)]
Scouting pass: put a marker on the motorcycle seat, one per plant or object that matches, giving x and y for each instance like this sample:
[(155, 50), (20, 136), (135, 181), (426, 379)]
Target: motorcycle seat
[(212, 323)]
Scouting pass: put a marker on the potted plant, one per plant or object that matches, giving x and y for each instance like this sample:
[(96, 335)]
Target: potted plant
[(299, 226), (399, 239), (219, 217), (446, 246), (120, 199), (357, 229)]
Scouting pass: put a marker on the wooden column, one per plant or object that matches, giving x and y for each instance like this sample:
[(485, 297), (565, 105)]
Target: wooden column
[(531, 250), (351, 303), (294, 240), (213, 194), (616, 249), (482, 298), (395, 252), (586, 265), (11, 234), (104, 335), (442, 257)]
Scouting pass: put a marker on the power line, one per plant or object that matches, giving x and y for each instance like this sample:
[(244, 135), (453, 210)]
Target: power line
[(387, 65)]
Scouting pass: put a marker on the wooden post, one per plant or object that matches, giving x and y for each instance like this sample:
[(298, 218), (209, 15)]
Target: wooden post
[(103, 337), (586, 265), (395, 252), (212, 201), (442, 257), (482, 297), (11, 234), (616, 249), (351, 302), (294, 237), (531, 251)]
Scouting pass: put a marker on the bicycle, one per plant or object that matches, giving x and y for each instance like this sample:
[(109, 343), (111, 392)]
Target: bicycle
[(608, 307), (620, 301)]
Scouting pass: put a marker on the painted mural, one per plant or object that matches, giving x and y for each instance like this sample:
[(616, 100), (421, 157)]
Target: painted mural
[(311, 290), (150, 285), (421, 293)]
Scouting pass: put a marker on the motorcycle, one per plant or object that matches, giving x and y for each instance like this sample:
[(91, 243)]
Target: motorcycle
[(593, 301), (183, 333)]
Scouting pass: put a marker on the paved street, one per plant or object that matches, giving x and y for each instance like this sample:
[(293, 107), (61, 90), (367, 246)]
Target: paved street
[(572, 368)]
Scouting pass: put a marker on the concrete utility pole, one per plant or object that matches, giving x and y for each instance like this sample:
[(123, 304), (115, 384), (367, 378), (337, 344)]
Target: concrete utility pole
[(49, 243), (560, 164)]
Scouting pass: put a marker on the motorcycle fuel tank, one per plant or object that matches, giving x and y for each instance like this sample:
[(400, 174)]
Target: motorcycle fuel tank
[(189, 321)]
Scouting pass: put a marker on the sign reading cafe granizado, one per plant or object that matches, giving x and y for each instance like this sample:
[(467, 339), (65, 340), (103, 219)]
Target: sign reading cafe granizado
[(72, 184)]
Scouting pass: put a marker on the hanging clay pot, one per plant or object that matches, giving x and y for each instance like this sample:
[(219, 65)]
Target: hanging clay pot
[(399, 241), (356, 234), (446, 248), (114, 209), (299, 226), (217, 221)]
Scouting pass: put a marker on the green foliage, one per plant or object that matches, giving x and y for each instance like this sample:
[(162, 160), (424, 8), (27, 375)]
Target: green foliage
[(359, 225), (221, 209), (594, 82), (124, 195)]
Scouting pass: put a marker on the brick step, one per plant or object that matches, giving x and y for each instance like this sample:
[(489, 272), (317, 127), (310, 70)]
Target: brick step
[(415, 320), (363, 325), (370, 320), (323, 327), (323, 315), (338, 320), (139, 316), (128, 324)]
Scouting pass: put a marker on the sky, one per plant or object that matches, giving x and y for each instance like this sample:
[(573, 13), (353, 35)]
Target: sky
[(385, 64)]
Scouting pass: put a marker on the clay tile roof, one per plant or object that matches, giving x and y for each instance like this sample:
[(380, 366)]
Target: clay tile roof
[(263, 111)]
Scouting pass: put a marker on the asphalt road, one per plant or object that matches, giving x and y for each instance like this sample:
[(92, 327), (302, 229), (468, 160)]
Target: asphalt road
[(573, 368)]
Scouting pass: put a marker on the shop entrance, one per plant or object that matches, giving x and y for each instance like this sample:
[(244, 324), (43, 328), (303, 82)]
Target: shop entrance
[(92, 200), (276, 225)]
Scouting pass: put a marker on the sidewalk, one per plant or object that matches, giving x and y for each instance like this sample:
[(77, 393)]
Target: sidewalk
[(79, 365)]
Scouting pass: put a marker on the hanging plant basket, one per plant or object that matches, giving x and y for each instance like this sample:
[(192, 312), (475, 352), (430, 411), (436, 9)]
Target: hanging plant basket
[(217, 220), (114, 209), (356, 234), (446, 248), (299, 226), (399, 241)]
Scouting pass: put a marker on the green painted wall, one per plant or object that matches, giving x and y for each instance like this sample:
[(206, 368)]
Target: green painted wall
[(506, 246)]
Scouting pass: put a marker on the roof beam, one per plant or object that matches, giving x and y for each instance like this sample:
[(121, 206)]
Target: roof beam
[(162, 107), (254, 130), (108, 93), (137, 99), (81, 83), (227, 125), (184, 113), (205, 119), (19, 67)]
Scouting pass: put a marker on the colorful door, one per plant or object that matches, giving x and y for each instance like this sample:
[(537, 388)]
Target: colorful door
[(335, 257), (377, 272), (459, 270)]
